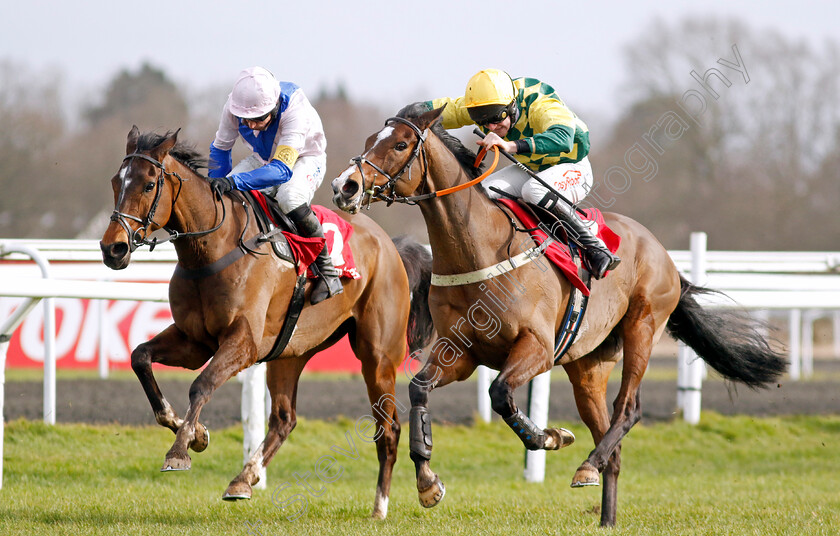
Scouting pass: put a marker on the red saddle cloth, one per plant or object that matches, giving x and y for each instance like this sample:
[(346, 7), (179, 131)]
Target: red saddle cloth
[(337, 232), (558, 252)]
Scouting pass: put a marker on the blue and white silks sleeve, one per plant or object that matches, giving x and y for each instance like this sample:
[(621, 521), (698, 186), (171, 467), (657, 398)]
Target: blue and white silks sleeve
[(220, 162), (274, 173)]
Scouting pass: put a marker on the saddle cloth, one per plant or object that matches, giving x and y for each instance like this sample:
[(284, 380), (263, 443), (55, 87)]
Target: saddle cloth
[(558, 252), (305, 250)]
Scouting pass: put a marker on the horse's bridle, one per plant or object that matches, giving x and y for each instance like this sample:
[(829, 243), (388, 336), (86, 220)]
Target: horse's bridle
[(386, 192), (379, 192), (134, 238)]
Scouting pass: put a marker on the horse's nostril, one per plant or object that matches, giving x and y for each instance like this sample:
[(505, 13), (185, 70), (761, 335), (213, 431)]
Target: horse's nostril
[(350, 188), (121, 249), (117, 250)]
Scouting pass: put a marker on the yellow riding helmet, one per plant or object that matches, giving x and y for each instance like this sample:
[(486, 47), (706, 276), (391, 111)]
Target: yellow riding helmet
[(489, 96), (490, 86)]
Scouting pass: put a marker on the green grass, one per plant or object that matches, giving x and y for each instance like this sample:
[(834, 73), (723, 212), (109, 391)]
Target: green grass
[(737, 475)]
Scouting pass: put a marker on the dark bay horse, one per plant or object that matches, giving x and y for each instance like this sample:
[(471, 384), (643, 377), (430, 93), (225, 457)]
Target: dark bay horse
[(234, 315), (506, 315)]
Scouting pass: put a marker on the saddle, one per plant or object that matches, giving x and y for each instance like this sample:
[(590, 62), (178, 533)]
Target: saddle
[(272, 222), (565, 254)]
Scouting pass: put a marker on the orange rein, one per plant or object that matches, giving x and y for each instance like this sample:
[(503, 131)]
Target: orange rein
[(479, 157)]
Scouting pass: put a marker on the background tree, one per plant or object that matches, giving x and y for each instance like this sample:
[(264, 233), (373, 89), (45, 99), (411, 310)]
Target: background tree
[(347, 125), (31, 131), (754, 173)]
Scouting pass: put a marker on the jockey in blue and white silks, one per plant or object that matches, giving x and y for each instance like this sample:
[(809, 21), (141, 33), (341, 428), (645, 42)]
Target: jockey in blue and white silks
[(289, 157)]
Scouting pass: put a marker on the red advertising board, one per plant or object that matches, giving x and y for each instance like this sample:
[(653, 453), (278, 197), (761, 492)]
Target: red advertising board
[(85, 326)]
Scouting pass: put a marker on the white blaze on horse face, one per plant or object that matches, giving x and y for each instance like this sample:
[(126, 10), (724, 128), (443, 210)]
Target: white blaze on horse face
[(383, 134), (339, 181)]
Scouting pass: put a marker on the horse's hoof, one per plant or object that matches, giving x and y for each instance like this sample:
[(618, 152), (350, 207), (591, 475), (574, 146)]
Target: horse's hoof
[(433, 494), (202, 438), (176, 464), (586, 475), (237, 491), (557, 438)]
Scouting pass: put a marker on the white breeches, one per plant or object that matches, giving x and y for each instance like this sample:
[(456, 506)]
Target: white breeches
[(307, 175), (572, 180)]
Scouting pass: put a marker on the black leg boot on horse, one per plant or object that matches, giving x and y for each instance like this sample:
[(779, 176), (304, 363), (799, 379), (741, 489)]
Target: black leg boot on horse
[(599, 259), (329, 282)]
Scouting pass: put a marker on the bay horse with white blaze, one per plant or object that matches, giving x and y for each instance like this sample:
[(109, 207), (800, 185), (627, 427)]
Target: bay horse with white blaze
[(234, 314), (511, 324)]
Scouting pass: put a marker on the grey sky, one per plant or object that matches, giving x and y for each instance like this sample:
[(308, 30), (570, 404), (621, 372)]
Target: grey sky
[(384, 51)]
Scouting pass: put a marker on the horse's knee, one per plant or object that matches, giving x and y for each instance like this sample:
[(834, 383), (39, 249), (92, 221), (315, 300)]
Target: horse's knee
[(141, 359), (501, 398), (283, 421), (200, 392), (418, 390)]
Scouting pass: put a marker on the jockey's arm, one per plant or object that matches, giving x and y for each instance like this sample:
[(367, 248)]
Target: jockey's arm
[(274, 173), (554, 128), (220, 149), (455, 115)]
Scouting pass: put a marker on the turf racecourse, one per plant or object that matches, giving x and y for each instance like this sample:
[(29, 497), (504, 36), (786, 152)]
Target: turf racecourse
[(729, 475)]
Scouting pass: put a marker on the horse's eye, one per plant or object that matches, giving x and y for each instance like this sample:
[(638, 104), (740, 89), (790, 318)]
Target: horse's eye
[(149, 187), (401, 146)]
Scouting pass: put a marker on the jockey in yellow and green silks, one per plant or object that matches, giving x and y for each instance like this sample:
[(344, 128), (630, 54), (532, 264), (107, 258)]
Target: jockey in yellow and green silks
[(526, 118)]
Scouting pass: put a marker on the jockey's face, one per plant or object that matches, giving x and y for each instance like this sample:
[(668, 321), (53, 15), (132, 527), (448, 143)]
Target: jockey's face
[(501, 128), (260, 123)]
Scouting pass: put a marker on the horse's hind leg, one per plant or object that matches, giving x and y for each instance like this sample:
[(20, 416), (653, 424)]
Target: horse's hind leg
[(172, 348), (527, 359), (282, 379), (638, 332)]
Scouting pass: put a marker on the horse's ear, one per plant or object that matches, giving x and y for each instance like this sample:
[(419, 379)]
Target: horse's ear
[(166, 145), (131, 142), (429, 118)]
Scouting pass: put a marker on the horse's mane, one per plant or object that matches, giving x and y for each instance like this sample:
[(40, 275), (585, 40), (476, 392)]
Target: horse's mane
[(464, 156), (186, 154)]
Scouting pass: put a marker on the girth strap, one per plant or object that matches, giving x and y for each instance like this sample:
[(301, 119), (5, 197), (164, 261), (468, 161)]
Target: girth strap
[(575, 309), (290, 323)]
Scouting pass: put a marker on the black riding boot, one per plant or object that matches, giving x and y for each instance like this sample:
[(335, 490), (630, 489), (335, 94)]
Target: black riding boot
[(598, 257), (329, 282)]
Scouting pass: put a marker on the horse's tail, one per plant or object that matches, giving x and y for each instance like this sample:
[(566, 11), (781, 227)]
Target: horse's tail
[(418, 265), (729, 341)]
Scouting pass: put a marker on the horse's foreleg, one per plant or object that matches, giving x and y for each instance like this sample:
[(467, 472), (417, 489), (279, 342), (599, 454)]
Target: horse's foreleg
[(380, 377), (282, 379), (527, 359), (429, 486), (237, 352), (172, 348)]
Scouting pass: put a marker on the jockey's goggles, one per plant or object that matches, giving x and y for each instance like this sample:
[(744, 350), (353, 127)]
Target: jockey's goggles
[(484, 115), (259, 119)]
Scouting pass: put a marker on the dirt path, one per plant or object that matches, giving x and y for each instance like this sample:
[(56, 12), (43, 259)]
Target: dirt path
[(123, 401)]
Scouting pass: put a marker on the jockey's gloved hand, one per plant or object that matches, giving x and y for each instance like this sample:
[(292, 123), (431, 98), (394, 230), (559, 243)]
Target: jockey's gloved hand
[(221, 185)]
